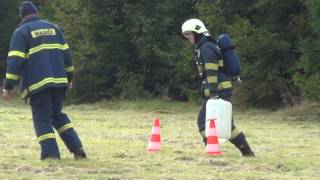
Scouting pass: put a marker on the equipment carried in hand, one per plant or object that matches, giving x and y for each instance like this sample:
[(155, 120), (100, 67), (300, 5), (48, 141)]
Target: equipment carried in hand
[(221, 111)]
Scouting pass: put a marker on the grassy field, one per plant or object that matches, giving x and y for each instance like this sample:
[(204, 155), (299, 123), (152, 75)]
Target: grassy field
[(115, 136)]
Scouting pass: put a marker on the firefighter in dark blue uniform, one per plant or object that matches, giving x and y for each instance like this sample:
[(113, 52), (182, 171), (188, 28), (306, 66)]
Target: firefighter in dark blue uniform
[(40, 57), (215, 82)]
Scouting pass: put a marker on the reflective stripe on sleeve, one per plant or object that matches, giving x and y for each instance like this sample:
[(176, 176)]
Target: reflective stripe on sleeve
[(18, 54), (12, 76), (212, 79), (211, 66), (69, 69), (224, 85)]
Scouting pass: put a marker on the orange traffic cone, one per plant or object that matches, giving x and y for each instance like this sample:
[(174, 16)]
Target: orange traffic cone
[(213, 147), (155, 140)]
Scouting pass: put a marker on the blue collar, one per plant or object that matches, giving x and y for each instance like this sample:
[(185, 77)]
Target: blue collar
[(29, 19), (205, 39)]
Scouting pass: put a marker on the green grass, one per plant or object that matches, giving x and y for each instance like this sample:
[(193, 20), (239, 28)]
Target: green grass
[(115, 136)]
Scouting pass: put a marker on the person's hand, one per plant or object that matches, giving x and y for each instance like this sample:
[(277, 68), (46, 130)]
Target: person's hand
[(70, 85), (7, 94), (214, 97)]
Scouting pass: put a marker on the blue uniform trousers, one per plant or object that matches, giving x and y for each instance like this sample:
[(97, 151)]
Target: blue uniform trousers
[(46, 108)]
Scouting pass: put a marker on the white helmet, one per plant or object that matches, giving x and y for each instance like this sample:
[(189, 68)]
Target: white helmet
[(194, 25)]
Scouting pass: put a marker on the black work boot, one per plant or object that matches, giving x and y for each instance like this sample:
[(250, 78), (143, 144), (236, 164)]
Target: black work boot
[(241, 143), (205, 139), (79, 154)]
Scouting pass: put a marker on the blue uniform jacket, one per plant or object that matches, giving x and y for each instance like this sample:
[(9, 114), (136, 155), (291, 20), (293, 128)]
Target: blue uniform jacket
[(38, 56), (215, 82)]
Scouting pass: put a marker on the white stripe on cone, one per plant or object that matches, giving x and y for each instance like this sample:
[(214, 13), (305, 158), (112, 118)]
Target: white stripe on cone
[(155, 130), (154, 145), (213, 148), (212, 132)]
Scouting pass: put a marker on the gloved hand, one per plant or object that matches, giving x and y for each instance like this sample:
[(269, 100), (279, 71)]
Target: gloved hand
[(7, 94), (70, 85), (214, 96)]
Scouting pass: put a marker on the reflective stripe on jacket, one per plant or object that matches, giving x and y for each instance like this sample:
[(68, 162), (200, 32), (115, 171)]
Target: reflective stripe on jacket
[(209, 61), (38, 56)]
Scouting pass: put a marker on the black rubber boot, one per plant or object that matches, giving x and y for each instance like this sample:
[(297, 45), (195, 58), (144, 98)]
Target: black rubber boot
[(79, 154), (205, 140), (241, 143)]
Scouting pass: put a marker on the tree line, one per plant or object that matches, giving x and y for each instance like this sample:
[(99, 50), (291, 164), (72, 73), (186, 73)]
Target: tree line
[(134, 49)]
